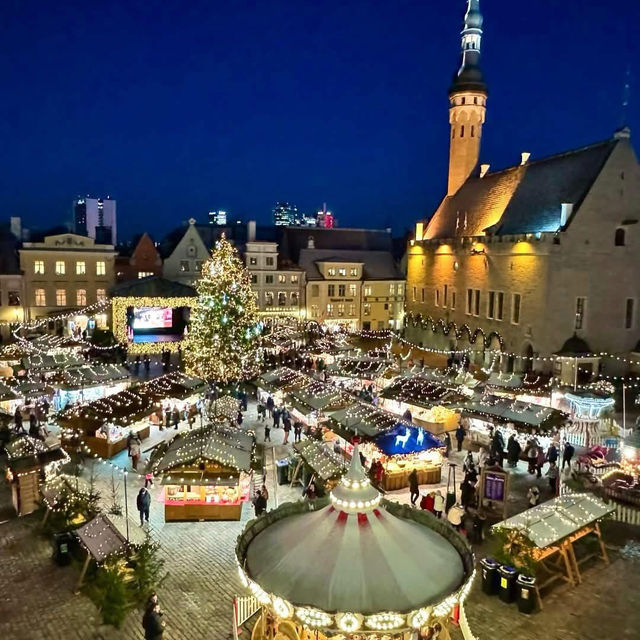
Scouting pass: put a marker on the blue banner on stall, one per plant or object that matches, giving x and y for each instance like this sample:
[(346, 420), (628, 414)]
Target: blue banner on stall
[(405, 439)]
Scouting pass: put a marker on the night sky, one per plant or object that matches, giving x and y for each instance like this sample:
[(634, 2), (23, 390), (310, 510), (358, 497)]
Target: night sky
[(176, 108)]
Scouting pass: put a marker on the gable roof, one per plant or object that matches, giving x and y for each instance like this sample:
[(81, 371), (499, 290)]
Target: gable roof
[(521, 199), (378, 265), (152, 287)]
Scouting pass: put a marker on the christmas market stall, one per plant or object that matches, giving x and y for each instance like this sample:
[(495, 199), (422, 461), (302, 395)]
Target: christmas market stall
[(277, 383), (353, 566), (314, 401), (426, 401), (87, 383), (545, 538), (9, 399), (398, 445), (30, 463), (317, 459), (355, 374), (206, 474), (485, 413), (104, 425)]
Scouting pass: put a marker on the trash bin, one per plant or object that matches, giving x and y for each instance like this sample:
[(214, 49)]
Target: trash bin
[(507, 591), (490, 582), (62, 548), (282, 467), (526, 588)]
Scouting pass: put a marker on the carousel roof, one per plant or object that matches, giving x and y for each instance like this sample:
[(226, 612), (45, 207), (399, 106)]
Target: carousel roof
[(358, 554)]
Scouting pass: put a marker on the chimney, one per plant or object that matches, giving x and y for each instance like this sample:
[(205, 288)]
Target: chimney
[(484, 169), (419, 231), (524, 157), (565, 211), (311, 243), (251, 231)]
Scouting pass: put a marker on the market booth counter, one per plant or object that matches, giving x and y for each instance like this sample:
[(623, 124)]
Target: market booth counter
[(206, 474), (30, 464), (398, 445)]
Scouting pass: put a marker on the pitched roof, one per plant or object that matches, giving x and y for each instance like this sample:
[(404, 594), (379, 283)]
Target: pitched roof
[(151, 287), (378, 265), (521, 199)]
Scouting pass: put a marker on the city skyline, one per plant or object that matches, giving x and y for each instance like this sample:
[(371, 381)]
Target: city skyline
[(213, 118)]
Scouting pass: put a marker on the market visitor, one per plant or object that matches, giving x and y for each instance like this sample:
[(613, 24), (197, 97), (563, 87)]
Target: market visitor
[(532, 456), (426, 503), (267, 432), (454, 516), (542, 458), (553, 474), (276, 417), (148, 480), (460, 435), (310, 492), (414, 491), (143, 503), (533, 496), (438, 504), (287, 428), (261, 411), (134, 452), (552, 453), (483, 457), (513, 451), (497, 447), (297, 431), (153, 623), (265, 492), (175, 415), (239, 419), (467, 493), (567, 454), (270, 405), (447, 443), (259, 503)]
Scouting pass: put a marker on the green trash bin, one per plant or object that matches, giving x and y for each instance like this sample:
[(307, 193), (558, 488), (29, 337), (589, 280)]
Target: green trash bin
[(526, 588)]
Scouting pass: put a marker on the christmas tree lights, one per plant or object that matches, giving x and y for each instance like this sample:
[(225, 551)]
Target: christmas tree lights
[(225, 332)]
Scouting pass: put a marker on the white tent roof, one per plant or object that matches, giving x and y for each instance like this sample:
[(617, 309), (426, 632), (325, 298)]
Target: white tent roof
[(558, 518)]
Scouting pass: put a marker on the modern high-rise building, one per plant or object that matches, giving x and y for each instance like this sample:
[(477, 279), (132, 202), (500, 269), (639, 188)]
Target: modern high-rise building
[(95, 218), (325, 219), (285, 214), (218, 218)]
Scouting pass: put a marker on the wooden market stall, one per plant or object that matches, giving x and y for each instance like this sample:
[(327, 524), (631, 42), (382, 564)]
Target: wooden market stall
[(105, 424), (398, 445), (319, 458), (277, 383), (312, 402), (87, 383), (551, 531), (431, 404), (30, 463), (206, 473)]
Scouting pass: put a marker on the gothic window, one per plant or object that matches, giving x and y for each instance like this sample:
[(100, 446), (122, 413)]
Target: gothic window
[(473, 131), (462, 131), (453, 132), (619, 237)]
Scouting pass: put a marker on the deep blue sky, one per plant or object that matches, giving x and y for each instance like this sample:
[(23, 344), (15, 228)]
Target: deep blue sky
[(175, 108)]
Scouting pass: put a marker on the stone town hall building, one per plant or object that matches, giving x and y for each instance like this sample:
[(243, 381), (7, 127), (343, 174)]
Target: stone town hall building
[(528, 257)]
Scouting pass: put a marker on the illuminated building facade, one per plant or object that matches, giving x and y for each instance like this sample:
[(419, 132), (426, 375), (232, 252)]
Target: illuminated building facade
[(285, 214), (141, 261), (523, 258)]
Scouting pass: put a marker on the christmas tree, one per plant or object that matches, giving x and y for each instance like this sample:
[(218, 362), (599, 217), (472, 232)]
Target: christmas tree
[(224, 336)]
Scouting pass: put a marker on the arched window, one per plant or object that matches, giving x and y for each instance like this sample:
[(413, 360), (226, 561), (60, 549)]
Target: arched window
[(453, 132), (473, 131), (462, 131), (619, 237)]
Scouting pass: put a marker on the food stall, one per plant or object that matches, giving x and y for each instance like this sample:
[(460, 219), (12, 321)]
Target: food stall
[(30, 463), (206, 474), (88, 383), (399, 445), (9, 399), (355, 373), (427, 402)]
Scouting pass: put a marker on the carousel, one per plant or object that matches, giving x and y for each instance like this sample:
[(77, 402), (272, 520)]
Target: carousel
[(353, 566)]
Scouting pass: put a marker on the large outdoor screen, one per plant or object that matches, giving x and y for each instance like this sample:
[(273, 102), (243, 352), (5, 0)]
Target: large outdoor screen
[(152, 318)]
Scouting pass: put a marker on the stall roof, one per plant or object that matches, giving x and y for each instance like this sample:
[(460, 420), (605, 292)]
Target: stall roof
[(515, 381), (280, 378), (50, 362), (318, 396), (6, 393), (422, 391), (321, 459), (359, 367), (203, 445), (92, 375), (521, 413), (100, 537), (558, 518)]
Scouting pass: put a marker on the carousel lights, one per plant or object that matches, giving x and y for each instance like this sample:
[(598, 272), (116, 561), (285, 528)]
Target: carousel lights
[(348, 622), (418, 619), (282, 607), (259, 593), (384, 621), (314, 617)]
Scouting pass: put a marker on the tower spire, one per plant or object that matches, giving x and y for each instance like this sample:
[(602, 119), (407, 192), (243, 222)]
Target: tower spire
[(467, 102)]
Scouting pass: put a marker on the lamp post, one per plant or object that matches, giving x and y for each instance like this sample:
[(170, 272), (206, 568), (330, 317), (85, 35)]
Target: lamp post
[(126, 506), (624, 408)]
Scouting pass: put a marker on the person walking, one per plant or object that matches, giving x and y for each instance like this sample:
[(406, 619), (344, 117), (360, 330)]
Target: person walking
[(134, 452), (447, 443), (567, 454), (460, 435), (17, 417), (542, 458), (438, 504), (287, 429), (167, 417), (552, 453), (270, 404), (553, 474), (267, 432), (175, 415), (414, 490), (152, 623), (259, 503), (143, 503), (276, 417), (513, 451), (297, 431), (533, 496), (467, 494), (532, 456), (261, 411)]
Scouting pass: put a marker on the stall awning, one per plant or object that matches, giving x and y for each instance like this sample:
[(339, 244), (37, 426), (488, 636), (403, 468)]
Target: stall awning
[(101, 538), (326, 464), (556, 519), (281, 378)]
